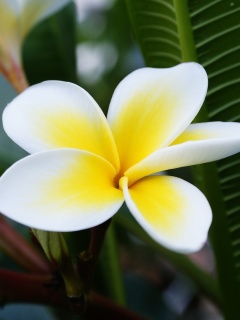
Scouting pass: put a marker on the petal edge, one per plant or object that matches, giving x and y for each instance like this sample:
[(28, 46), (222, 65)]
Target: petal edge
[(199, 143), (172, 211), (151, 107), (60, 190)]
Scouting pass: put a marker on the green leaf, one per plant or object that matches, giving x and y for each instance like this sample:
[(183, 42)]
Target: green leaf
[(55, 248), (49, 49), (53, 245), (202, 279), (110, 267), (170, 31)]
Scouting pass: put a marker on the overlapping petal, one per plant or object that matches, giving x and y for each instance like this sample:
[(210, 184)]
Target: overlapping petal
[(60, 190), (151, 107), (33, 12), (199, 143), (171, 210), (56, 114)]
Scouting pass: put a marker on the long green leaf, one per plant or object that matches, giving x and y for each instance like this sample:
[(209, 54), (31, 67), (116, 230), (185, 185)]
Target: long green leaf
[(204, 281), (170, 31), (110, 265)]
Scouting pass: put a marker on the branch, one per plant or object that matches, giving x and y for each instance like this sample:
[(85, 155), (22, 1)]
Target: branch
[(15, 74), (100, 305), (87, 259), (16, 247), (21, 287), (45, 289)]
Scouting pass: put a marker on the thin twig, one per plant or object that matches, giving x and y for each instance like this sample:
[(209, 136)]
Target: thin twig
[(21, 251), (87, 259), (15, 74)]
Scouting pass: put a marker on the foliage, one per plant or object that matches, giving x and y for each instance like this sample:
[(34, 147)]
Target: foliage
[(207, 32), (167, 32)]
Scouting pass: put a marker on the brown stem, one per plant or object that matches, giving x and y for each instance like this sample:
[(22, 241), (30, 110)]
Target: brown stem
[(20, 287), (15, 75), (87, 259), (16, 247)]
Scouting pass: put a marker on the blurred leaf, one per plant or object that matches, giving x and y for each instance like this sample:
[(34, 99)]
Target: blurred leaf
[(49, 50), (171, 31), (106, 27), (146, 299), (202, 279), (110, 267)]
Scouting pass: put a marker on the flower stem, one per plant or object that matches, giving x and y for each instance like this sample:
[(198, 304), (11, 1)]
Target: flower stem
[(47, 290), (16, 247), (87, 259), (21, 287), (111, 269), (15, 74)]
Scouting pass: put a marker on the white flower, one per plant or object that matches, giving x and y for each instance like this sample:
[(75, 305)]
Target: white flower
[(84, 166)]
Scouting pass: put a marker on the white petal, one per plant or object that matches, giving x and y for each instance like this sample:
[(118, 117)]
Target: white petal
[(151, 107), (56, 114), (60, 190), (199, 143), (172, 211)]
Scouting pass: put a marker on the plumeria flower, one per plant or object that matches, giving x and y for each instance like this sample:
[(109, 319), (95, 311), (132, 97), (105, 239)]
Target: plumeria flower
[(84, 166), (17, 18)]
